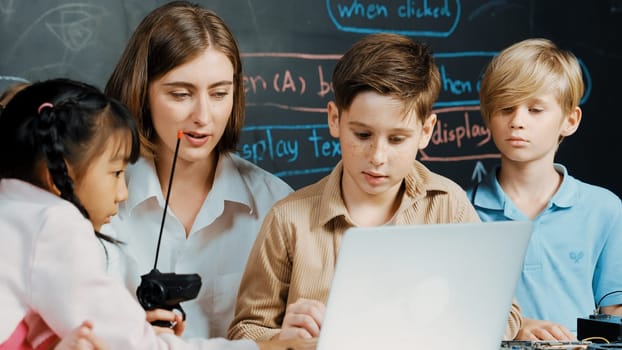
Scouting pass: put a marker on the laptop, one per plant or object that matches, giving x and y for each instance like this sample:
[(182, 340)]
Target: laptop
[(440, 286)]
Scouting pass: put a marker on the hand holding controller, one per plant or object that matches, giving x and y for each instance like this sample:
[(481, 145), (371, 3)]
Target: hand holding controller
[(167, 290)]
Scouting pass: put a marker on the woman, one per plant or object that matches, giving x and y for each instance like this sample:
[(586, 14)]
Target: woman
[(181, 71)]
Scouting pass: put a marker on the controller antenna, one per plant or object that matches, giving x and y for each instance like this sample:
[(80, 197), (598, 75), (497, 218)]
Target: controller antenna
[(180, 133)]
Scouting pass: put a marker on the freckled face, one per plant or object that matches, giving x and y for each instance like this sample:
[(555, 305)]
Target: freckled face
[(378, 143), (197, 98)]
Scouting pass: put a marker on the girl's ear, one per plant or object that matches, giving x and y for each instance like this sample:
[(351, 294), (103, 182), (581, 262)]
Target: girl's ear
[(49, 183), (47, 178)]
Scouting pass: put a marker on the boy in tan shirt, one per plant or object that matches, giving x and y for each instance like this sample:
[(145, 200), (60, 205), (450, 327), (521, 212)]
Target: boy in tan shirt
[(385, 86)]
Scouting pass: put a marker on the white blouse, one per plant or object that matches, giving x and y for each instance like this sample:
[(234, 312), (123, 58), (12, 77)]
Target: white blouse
[(217, 247)]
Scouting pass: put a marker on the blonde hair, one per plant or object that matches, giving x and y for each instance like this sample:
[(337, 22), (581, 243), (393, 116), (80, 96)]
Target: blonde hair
[(528, 68)]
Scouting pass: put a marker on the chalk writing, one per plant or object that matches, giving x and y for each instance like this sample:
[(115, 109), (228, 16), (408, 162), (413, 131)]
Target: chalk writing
[(433, 18), (298, 81), (289, 85), (323, 147), (479, 171), (270, 143), (288, 81), (443, 134), (458, 128)]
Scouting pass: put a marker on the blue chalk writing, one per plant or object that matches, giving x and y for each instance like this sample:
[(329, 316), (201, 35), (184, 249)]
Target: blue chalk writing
[(455, 86), (264, 144), (370, 11), (270, 148), (412, 9), (434, 18), (321, 148)]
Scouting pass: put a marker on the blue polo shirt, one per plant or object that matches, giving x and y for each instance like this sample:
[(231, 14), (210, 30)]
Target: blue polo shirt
[(574, 256)]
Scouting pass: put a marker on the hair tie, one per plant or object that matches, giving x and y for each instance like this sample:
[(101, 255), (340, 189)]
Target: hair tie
[(43, 105)]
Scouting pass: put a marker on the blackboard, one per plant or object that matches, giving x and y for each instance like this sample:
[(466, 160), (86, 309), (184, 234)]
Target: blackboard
[(290, 47)]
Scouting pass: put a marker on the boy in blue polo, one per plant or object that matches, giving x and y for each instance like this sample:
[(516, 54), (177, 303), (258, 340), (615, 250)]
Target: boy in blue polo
[(530, 101)]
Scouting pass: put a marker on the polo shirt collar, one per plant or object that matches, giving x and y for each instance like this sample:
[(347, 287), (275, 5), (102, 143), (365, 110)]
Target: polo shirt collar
[(489, 194), (566, 195)]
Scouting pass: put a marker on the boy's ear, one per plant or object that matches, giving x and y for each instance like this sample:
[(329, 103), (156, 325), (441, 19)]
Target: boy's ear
[(571, 122), (427, 130), (333, 119)]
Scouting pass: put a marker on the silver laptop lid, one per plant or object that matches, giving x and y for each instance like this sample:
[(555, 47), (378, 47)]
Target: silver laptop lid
[(445, 286)]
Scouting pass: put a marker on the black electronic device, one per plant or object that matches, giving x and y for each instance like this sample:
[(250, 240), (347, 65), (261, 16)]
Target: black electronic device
[(600, 328), (167, 290)]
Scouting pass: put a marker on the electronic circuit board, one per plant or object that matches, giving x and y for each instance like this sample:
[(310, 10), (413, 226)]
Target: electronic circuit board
[(544, 345)]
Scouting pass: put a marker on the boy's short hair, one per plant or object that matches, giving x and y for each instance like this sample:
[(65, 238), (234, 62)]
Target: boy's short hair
[(392, 65), (529, 68)]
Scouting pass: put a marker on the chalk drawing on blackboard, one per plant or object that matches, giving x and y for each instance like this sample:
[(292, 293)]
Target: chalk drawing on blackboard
[(431, 18), (7, 8), (587, 80), (73, 24), (13, 79), (75, 28)]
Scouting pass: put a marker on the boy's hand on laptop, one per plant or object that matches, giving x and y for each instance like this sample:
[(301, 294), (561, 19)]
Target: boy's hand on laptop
[(535, 330), (303, 319)]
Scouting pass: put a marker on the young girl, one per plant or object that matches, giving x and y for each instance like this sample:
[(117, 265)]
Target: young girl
[(181, 70), (64, 147)]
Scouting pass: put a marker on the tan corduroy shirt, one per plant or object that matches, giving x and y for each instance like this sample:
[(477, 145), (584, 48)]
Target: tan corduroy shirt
[(296, 250)]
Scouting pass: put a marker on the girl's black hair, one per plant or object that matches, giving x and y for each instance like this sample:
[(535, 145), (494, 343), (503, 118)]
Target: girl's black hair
[(58, 122)]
